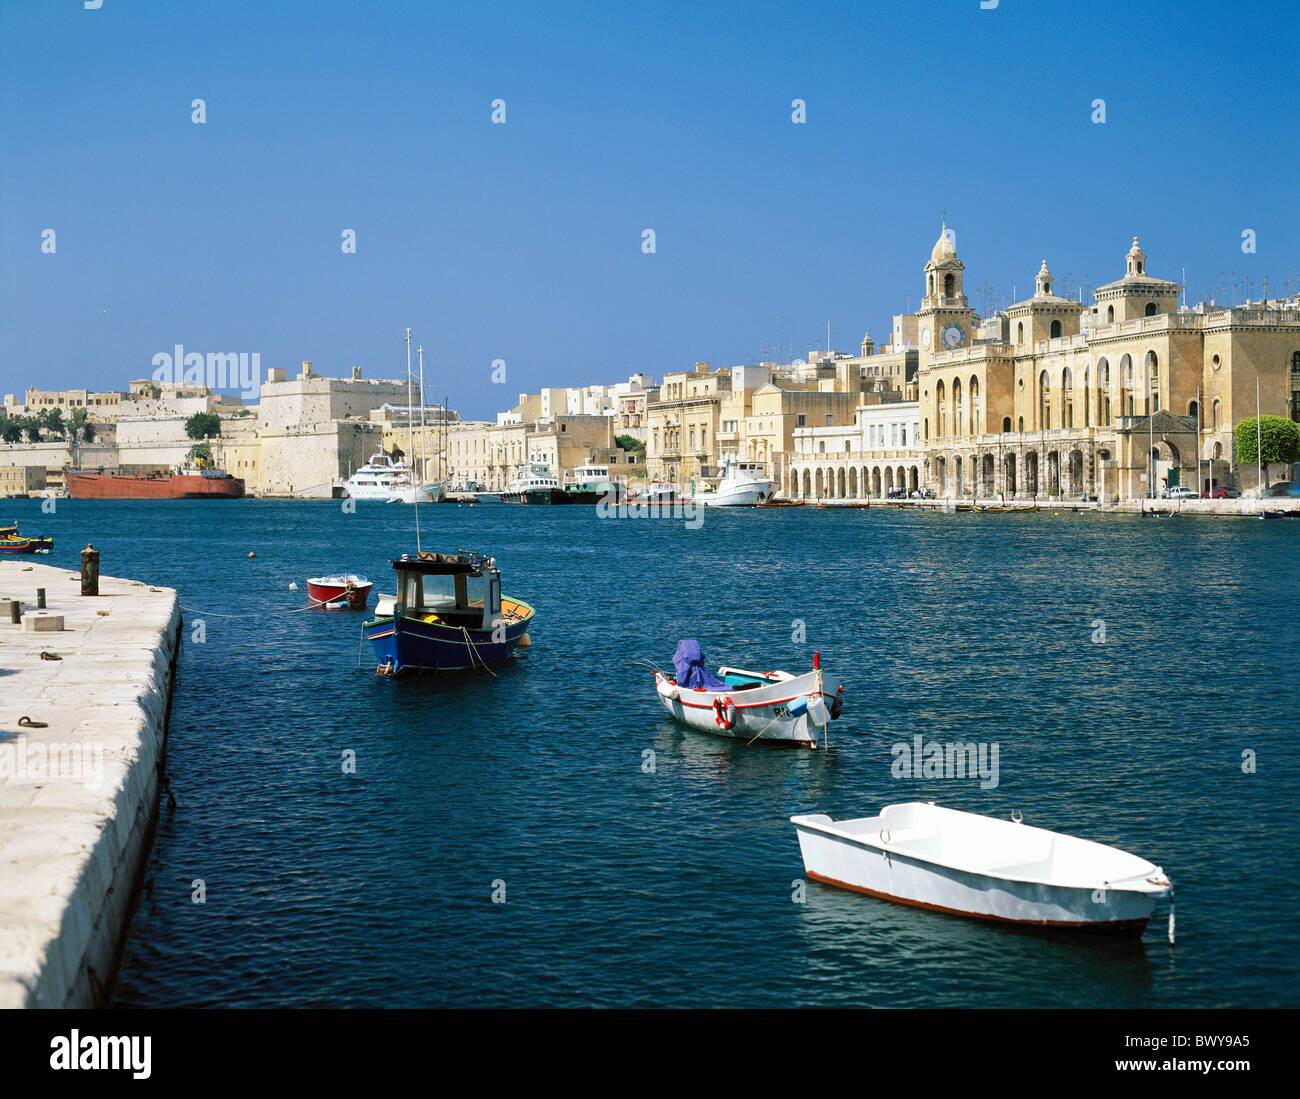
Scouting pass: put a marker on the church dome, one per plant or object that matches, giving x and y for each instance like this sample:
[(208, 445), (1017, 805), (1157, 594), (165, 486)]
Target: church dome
[(943, 249)]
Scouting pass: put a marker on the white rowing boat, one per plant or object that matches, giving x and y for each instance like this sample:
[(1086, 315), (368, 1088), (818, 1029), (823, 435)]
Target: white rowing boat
[(971, 865), (750, 706)]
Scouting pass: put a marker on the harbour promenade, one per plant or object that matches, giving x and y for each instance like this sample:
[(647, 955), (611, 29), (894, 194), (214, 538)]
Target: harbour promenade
[(83, 720)]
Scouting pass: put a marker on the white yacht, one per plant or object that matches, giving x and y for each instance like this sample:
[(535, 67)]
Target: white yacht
[(744, 484), (381, 478)]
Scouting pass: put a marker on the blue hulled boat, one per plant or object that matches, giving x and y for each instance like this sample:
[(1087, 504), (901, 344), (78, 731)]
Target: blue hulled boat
[(448, 614)]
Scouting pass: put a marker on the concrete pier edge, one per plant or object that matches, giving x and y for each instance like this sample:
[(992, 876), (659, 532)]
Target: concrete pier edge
[(74, 852)]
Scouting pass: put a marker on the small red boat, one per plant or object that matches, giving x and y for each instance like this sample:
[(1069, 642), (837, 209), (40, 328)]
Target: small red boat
[(344, 590)]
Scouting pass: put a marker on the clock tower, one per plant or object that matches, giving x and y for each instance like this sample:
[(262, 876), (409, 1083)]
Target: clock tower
[(945, 320)]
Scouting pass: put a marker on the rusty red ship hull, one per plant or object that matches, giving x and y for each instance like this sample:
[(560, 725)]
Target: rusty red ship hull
[(92, 484)]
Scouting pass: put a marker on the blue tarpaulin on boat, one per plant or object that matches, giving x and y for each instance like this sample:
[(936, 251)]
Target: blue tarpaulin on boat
[(691, 672)]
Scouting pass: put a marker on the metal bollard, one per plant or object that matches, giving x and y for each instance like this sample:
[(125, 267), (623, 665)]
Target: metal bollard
[(90, 570), (40, 599), (15, 611)]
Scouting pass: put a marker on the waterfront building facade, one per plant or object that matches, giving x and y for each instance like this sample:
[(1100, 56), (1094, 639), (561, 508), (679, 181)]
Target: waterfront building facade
[(867, 459)]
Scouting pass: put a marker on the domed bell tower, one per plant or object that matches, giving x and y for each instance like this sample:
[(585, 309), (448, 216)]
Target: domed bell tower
[(946, 319)]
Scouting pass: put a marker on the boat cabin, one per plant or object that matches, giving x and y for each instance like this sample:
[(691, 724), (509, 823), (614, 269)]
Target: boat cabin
[(455, 589)]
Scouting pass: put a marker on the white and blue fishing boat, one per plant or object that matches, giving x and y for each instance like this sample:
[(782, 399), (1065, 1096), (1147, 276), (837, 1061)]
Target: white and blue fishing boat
[(448, 615), (772, 707)]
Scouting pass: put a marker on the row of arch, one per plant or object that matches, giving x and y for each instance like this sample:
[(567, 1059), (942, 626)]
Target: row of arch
[(1095, 401), (850, 482)]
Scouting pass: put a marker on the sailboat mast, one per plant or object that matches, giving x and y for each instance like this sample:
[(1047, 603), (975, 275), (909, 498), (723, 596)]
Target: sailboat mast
[(424, 455), (410, 431)]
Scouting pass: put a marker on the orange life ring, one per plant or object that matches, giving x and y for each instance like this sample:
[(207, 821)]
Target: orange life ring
[(724, 712)]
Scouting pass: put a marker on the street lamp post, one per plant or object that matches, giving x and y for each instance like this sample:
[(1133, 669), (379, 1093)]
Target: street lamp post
[(1259, 443)]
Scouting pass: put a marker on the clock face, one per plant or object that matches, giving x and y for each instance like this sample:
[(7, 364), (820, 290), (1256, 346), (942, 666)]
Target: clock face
[(925, 338), (953, 336)]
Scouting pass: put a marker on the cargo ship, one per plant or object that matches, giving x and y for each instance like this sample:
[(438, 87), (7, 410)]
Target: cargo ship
[(187, 483)]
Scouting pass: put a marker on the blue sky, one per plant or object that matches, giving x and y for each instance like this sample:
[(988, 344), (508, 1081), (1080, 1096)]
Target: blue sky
[(522, 241)]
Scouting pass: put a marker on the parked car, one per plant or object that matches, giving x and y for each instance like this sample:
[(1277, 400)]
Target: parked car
[(1221, 492), (1182, 492), (1282, 488)]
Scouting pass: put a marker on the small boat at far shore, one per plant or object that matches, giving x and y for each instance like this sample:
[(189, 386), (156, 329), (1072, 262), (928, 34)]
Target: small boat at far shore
[(777, 707), (13, 542), (342, 589), (971, 865)]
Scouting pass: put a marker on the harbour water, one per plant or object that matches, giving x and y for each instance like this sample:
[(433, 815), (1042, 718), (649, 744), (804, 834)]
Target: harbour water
[(1122, 666)]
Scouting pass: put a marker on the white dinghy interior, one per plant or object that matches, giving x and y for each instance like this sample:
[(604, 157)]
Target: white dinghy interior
[(964, 863)]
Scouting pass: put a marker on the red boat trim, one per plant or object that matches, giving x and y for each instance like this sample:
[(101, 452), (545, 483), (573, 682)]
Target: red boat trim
[(750, 706), (1131, 927), (377, 636)]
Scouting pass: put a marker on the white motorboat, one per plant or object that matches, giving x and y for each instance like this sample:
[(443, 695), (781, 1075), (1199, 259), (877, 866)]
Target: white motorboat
[(428, 493), (661, 492), (743, 484), (773, 707), (971, 865), (379, 479)]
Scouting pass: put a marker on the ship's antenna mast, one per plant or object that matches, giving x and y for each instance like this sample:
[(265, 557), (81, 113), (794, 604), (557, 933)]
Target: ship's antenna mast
[(410, 439)]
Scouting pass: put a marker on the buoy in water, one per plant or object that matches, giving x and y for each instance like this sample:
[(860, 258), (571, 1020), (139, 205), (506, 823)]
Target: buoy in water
[(293, 585), (251, 554), (525, 641)]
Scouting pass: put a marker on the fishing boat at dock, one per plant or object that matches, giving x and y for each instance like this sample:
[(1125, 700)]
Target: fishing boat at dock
[(448, 615), (743, 484), (775, 707), (971, 865), (535, 484)]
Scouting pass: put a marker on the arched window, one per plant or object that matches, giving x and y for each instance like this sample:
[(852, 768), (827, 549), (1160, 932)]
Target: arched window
[(1067, 399), (1151, 370), (1151, 309), (1020, 423), (940, 408), (1056, 330), (1216, 413), (1006, 424), (926, 428), (1110, 314), (1103, 392), (949, 286), (957, 408), (1044, 401), (974, 406), (1087, 400), (1020, 333), (1127, 405), (930, 284)]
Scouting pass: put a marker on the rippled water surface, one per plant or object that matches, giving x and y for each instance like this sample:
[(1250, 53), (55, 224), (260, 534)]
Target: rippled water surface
[(674, 887)]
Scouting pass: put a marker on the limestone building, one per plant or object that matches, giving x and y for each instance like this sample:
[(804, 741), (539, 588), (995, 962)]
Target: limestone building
[(1057, 398)]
